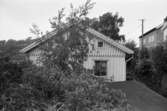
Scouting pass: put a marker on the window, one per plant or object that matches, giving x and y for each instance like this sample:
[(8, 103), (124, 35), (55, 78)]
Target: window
[(100, 44), (100, 68)]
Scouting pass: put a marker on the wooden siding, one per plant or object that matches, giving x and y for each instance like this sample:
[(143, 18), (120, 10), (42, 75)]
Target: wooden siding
[(116, 65), (106, 50), (34, 56)]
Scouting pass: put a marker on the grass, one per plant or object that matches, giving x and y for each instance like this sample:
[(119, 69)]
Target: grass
[(141, 97)]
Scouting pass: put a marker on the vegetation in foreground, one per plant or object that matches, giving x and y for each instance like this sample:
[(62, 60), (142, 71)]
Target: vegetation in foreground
[(61, 83), (149, 67)]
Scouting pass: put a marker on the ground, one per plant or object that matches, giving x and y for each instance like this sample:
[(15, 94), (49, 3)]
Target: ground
[(141, 97)]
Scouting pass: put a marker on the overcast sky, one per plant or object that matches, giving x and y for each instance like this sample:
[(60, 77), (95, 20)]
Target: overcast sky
[(16, 16)]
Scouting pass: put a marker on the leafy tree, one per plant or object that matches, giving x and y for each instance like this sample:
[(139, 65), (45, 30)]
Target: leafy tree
[(36, 31), (109, 24), (62, 82), (65, 53)]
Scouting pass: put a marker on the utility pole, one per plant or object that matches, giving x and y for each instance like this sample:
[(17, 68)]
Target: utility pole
[(142, 31), (141, 39)]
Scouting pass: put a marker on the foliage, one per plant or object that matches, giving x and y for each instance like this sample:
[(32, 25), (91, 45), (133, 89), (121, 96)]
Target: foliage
[(11, 48), (65, 53), (146, 73), (151, 67), (36, 31), (132, 63), (9, 73), (159, 56), (144, 53), (109, 24), (62, 82)]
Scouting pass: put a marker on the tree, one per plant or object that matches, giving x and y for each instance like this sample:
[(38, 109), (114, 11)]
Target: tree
[(109, 24), (36, 31), (65, 54), (62, 82)]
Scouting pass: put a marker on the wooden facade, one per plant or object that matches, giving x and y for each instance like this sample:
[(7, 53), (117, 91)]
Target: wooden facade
[(101, 48), (154, 37), (116, 65)]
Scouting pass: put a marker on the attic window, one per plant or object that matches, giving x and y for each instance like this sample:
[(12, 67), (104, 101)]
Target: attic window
[(100, 44)]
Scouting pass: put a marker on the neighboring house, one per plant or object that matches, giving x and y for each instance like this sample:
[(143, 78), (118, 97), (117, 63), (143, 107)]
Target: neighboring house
[(105, 56), (154, 37)]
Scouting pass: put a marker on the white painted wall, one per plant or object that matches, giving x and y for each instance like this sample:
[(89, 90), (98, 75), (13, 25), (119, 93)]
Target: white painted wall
[(116, 65), (34, 56)]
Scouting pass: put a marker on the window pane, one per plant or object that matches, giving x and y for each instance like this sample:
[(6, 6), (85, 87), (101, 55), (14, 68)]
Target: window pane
[(100, 44), (100, 68)]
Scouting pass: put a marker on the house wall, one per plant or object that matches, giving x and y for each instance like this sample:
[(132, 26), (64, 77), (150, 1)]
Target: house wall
[(160, 36), (34, 56), (116, 65), (150, 40)]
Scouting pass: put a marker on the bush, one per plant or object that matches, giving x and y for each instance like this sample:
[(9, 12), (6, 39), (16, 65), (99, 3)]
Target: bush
[(146, 73)]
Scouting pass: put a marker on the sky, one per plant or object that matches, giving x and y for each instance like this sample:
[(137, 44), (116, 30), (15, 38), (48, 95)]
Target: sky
[(17, 16)]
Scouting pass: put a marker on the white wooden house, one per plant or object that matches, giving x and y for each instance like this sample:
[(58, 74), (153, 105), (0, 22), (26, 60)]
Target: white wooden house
[(106, 56)]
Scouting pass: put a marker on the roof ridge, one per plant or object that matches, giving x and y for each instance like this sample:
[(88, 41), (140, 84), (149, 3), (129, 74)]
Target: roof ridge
[(90, 30)]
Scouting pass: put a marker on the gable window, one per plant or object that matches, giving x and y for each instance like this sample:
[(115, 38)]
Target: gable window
[(100, 68), (100, 44)]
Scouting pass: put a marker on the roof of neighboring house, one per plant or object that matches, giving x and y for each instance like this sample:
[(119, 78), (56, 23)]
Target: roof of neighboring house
[(161, 26), (89, 30), (141, 97), (151, 30)]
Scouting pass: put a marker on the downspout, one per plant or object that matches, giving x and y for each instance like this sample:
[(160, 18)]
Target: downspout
[(130, 58)]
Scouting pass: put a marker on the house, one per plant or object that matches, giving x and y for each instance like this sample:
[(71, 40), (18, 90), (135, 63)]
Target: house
[(105, 55), (154, 37)]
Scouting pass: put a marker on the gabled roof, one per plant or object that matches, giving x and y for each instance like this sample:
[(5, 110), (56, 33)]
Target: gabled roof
[(89, 30), (161, 26), (110, 41)]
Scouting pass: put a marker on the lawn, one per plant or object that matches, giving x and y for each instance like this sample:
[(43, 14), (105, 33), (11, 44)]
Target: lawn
[(141, 97)]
